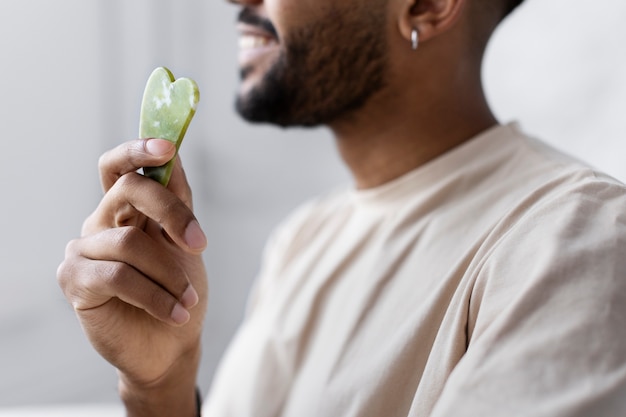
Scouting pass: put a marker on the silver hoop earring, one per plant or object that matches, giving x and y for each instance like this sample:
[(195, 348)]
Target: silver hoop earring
[(415, 39)]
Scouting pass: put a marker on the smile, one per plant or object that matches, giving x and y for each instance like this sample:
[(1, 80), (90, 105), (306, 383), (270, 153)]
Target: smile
[(254, 45), (250, 41)]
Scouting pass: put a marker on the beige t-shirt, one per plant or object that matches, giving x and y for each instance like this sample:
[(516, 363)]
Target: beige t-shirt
[(488, 282)]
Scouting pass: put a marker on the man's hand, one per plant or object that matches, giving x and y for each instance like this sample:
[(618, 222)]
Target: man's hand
[(137, 281)]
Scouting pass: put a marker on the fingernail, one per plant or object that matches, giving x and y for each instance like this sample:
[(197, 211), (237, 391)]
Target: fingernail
[(179, 314), (194, 236), (159, 147), (190, 297)]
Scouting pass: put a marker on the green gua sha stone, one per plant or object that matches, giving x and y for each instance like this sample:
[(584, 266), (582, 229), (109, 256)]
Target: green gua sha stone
[(166, 110)]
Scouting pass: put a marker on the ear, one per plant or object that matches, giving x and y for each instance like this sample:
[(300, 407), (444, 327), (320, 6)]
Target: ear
[(429, 17)]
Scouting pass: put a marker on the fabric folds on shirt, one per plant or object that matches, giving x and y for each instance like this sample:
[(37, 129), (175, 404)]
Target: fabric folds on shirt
[(488, 282)]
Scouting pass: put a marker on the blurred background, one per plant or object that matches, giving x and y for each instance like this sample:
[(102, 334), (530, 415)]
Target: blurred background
[(71, 81)]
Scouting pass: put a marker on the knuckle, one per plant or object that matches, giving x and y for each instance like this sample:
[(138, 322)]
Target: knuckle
[(172, 205), (64, 273), (86, 283), (70, 277), (114, 274), (126, 237), (90, 224), (176, 214), (136, 150), (123, 189), (103, 161), (127, 180), (71, 248)]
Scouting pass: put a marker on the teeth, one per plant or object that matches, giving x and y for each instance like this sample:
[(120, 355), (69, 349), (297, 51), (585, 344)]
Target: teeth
[(251, 41)]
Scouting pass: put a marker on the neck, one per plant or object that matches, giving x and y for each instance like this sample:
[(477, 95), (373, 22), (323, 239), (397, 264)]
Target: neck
[(401, 129)]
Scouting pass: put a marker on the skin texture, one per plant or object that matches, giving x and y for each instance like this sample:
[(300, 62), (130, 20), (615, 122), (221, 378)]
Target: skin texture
[(135, 276), (137, 281), (315, 79), (404, 108)]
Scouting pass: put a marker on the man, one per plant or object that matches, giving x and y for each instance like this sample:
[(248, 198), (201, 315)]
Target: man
[(472, 271)]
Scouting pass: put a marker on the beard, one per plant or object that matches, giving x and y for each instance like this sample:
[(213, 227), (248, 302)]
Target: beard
[(324, 72)]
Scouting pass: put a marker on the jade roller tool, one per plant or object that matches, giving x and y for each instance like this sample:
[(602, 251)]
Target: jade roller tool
[(166, 110)]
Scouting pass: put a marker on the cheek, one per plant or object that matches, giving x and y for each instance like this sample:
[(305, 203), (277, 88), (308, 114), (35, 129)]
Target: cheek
[(289, 15)]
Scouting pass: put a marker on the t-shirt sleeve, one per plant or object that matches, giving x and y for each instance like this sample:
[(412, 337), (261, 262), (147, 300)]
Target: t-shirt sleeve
[(547, 329)]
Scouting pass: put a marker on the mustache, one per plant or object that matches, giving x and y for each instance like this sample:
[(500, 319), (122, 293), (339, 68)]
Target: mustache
[(246, 15)]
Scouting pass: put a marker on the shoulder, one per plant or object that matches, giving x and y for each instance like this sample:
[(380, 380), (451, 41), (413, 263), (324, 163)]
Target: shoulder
[(562, 235), (547, 183), (547, 309), (559, 252)]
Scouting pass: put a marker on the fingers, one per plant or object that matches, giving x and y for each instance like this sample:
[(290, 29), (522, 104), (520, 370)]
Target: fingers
[(126, 256), (106, 266), (134, 196), (132, 155), (179, 185)]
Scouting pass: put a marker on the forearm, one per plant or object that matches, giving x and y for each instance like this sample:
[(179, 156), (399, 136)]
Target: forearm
[(172, 395)]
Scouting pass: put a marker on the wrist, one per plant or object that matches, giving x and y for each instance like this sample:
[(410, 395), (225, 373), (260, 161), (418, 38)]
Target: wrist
[(174, 394)]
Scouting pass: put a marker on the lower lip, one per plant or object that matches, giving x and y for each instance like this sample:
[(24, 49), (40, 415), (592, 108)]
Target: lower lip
[(247, 56)]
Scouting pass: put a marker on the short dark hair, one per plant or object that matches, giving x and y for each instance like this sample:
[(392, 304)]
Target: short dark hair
[(510, 5)]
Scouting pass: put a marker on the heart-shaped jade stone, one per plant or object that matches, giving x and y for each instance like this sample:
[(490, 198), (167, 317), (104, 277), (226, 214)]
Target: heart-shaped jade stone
[(166, 110)]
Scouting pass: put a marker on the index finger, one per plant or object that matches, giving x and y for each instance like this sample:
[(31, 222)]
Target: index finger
[(132, 155)]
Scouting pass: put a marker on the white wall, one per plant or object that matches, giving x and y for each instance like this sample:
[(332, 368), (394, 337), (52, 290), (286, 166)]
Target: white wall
[(48, 110), (559, 66), (71, 80)]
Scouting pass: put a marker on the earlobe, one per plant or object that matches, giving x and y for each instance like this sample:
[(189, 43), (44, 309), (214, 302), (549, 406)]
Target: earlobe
[(428, 18)]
